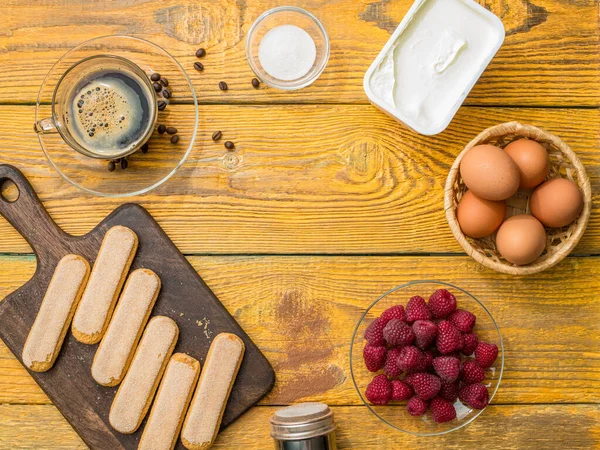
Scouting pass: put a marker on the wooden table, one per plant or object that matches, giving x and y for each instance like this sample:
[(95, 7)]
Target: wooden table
[(327, 204)]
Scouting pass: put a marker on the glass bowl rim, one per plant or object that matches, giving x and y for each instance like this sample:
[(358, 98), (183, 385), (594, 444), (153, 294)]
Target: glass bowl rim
[(391, 291), (169, 174), (287, 85)]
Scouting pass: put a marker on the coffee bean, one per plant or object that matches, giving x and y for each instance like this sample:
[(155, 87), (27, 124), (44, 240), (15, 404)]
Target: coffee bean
[(174, 139), (162, 129), (255, 83), (145, 148), (200, 53), (162, 105), (157, 86), (216, 136), (164, 82), (124, 163), (166, 93), (229, 145), (198, 66), (222, 85), (111, 166), (171, 130), (155, 76)]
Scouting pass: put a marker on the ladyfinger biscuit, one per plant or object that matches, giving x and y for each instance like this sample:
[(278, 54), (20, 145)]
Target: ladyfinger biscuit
[(203, 419), (173, 397), (54, 316), (123, 333), (106, 280), (135, 393)]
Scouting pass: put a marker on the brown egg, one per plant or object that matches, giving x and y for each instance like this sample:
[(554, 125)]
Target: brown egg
[(557, 202), (521, 239), (532, 159), (479, 217), (489, 172)]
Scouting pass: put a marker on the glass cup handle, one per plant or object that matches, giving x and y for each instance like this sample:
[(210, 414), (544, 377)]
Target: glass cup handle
[(45, 126)]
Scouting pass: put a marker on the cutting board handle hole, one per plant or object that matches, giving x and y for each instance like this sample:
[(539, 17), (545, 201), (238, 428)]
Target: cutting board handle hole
[(9, 190)]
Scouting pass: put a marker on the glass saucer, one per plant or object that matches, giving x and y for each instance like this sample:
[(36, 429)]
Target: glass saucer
[(145, 171)]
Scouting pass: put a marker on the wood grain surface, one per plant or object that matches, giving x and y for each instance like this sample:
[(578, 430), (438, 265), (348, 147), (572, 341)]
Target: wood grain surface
[(498, 428), (326, 204), (551, 55), (302, 311), (304, 179)]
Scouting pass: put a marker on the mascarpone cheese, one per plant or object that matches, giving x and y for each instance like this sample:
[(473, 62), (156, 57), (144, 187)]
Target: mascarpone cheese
[(436, 56)]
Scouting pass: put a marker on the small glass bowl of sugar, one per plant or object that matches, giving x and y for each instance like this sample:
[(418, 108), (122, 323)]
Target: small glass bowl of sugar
[(287, 48)]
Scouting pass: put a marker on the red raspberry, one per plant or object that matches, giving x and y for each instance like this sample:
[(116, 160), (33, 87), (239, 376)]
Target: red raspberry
[(426, 385), (374, 333), (425, 332), (379, 390), (416, 309), (391, 368), (486, 354), (428, 359), (474, 395), (395, 312), (449, 391), (471, 372), (442, 410), (447, 368), (463, 320), (449, 339), (471, 342), (416, 406), (411, 359), (442, 303), (374, 357), (398, 333), (401, 390)]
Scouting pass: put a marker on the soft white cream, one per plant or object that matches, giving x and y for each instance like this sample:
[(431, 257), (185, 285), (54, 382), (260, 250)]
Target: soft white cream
[(436, 55)]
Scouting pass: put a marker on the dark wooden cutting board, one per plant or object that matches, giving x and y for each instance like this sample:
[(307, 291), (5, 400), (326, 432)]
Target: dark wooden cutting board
[(184, 297)]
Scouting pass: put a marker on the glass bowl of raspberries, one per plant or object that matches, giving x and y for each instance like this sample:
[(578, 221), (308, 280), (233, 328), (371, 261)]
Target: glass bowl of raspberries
[(427, 358)]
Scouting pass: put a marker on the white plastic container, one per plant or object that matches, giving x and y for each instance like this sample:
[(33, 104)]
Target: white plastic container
[(432, 61)]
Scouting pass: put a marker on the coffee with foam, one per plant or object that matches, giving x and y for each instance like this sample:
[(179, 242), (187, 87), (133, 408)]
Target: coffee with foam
[(110, 112)]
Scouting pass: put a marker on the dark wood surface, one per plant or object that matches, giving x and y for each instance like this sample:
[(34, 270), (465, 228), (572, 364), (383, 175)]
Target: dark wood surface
[(184, 297)]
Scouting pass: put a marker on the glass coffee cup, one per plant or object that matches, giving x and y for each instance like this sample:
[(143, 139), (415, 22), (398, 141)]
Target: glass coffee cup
[(103, 106)]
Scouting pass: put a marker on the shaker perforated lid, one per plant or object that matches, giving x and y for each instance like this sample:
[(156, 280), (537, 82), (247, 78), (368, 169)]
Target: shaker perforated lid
[(302, 421)]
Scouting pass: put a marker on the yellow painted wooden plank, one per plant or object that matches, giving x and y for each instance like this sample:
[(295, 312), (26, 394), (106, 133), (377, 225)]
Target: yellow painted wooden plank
[(301, 312), (304, 179), (550, 55), (499, 427)]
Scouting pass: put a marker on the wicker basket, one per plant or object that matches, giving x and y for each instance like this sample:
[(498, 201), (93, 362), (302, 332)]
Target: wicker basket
[(563, 163)]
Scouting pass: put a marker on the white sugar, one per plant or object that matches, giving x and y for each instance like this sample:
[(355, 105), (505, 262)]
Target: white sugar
[(287, 52)]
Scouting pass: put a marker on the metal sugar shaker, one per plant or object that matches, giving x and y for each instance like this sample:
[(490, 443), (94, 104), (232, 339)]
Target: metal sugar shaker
[(305, 426)]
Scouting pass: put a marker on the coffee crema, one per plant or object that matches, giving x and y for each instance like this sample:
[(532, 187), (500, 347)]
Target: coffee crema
[(109, 112)]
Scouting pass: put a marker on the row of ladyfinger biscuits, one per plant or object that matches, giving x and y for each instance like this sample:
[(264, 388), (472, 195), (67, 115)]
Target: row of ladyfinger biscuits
[(208, 402), (85, 299), (89, 300)]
